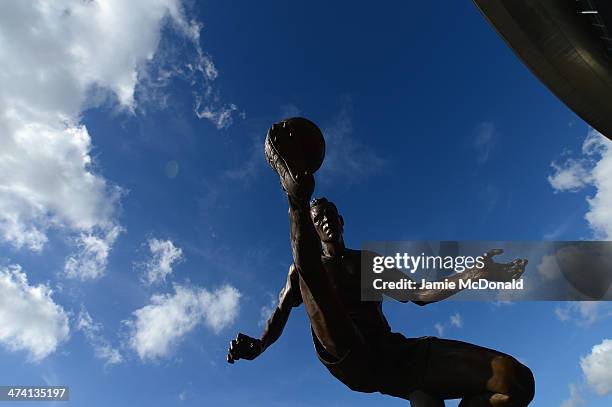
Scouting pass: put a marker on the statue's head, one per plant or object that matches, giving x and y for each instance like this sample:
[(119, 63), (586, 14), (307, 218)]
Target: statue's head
[(327, 221)]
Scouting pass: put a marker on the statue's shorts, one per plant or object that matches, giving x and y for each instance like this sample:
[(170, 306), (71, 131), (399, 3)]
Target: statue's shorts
[(393, 365)]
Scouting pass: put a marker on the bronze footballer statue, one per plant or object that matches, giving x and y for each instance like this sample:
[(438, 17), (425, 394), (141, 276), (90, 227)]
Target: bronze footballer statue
[(352, 337)]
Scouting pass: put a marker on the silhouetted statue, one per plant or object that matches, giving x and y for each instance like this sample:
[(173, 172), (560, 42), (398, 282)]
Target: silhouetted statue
[(352, 337)]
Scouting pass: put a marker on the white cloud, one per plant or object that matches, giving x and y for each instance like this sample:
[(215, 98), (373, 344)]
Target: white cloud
[(596, 368), (93, 332), (58, 58), (164, 254), (456, 320), (158, 327), (594, 168), (46, 180), (29, 318), (575, 398), (52, 54), (571, 175), (439, 328), (220, 116), (91, 259)]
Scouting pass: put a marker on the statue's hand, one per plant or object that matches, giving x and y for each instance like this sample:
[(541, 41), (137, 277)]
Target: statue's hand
[(299, 184), (243, 347), (302, 189), (493, 271)]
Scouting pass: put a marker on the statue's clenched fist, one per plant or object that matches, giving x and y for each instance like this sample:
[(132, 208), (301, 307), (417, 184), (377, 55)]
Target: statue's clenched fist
[(243, 347)]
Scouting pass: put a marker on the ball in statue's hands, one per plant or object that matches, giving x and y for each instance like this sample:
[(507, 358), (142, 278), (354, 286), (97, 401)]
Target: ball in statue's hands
[(295, 145)]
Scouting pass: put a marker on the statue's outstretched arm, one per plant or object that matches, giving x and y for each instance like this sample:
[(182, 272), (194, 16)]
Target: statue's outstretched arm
[(246, 347), (289, 297)]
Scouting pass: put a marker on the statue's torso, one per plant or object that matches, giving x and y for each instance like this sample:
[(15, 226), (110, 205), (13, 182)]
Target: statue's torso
[(344, 274)]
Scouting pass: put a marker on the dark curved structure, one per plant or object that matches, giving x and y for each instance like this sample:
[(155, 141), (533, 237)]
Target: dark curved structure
[(567, 44)]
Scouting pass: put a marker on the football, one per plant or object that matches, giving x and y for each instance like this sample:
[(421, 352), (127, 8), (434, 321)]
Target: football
[(298, 142)]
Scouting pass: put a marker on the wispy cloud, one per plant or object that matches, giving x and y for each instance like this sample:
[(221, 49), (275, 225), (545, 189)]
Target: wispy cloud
[(90, 260), (220, 116), (164, 255), (266, 310), (347, 159), (182, 395), (188, 62), (251, 167), (575, 398), (93, 332), (485, 140), (559, 229), (454, 321), (583, 313)]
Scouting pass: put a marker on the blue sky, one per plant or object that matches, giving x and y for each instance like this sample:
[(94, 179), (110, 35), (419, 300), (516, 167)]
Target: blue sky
[(141, 229)]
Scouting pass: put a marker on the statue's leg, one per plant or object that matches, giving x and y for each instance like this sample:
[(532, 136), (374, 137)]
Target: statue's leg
[(480, 376)]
